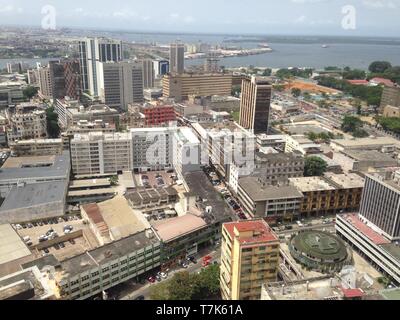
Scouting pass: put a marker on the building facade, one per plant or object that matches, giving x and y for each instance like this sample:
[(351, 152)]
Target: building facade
[(255, 105), (177, 58), (249, 258)]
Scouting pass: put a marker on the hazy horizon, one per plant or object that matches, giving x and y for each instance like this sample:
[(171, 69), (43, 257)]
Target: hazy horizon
[(373, 18)]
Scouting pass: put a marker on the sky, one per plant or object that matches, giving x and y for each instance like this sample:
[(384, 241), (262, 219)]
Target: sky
[(294, 17)]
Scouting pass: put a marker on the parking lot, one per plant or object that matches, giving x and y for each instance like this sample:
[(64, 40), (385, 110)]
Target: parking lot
[(155, 179)]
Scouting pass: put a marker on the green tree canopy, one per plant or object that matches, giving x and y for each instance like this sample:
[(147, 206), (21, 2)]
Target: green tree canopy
[(53, 129), (314, 166), (379, 66), (296, 92), (29, 92)]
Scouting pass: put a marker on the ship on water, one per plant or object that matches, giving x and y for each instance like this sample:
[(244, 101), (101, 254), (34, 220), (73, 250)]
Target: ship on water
[(325, 46)]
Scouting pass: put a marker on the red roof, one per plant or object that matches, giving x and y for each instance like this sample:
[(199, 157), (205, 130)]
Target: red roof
[(384, 81), (365, 229), (358, 82), (261, 231), (352, 293)]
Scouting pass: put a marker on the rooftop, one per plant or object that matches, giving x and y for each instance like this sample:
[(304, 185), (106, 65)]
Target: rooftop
[(12, 247), (357, 223), (109, 252), (33, 195), (368, 155), (171, 229), (260, 192), (360, 142), (346, 180), (251, 232), (307, 184)]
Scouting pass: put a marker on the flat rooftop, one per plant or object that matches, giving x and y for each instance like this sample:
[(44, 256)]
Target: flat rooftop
[(106, 253), (251, 232), (360, 142), (308, 184), (36, 168), (369, 155), (120, 218), (393, 249), (32, 195), (12, 247), (258, 192), (173, 228), (89, 183), (357, 223), (346, 180)]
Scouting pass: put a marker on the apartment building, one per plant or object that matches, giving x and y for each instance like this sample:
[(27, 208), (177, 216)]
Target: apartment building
[(158, 114), (272, 169), (330, 194), (100, 153), (70, 112), (26, 122), (273, 203), (95, 271), (225, 144), (249, 258), (37, 147), (181, 86), (390, 98)]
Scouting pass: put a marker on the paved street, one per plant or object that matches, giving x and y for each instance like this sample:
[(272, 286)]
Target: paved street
[(144, 290)]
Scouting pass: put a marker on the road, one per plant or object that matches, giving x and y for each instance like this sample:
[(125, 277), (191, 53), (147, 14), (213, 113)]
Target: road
[(144, 290)]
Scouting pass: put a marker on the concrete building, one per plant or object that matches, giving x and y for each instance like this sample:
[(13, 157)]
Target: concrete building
[(92, 52), (10, 93), (158, 115), (364, 160), (187, 152), (70, 112), (73, 79), (121, 83), (133, 118), (186, 109), (383, 144), (272, 169), (181, 86), (27, 122), (329, 194), (225, 144), (249, 258), (302, 144), (100, 153), (37, 147), (278, 142), (390, 98), (273, 203), (161, 67), (380, 205), (371, 243), (148, 73), (255, 105), (177, 58)]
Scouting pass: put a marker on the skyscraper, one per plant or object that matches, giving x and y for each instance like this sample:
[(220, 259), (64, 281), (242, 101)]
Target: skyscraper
[(249, 258), (381, 202), (92, 52), (255, 105), (121, 83), (161, 67), (148, 73), (177, 57), (72, 77)]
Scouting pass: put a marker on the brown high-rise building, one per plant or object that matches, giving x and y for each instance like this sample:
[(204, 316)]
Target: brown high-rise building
[(255, 105), (72, 74)]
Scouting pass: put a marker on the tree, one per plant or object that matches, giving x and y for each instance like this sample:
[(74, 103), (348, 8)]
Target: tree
[(351, 124), (296, 92), (379, 66), (53, 129), (279, 87), (314, 166), (267, 72), (29, 92), (354, 74)]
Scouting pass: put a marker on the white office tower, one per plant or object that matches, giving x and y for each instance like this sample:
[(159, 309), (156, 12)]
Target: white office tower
[(92, 52)]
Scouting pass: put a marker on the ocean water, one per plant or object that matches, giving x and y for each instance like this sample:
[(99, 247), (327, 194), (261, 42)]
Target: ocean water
[(287, 51)]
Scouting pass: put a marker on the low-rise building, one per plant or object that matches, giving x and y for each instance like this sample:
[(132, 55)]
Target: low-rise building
[(329, 194), (37, 147), (383, 144), (278, 142), (274, 203), (302, 144)]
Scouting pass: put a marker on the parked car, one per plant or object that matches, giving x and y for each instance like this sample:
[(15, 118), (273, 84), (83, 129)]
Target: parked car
[(46, 250), (151, 279)]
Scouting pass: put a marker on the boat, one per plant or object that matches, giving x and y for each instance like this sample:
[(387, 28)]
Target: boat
[(325, 46)]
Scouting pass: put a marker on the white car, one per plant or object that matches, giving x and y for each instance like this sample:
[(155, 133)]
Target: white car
[(163, 275)]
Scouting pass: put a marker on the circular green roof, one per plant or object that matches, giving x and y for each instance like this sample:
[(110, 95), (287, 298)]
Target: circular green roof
[(319, 244)]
